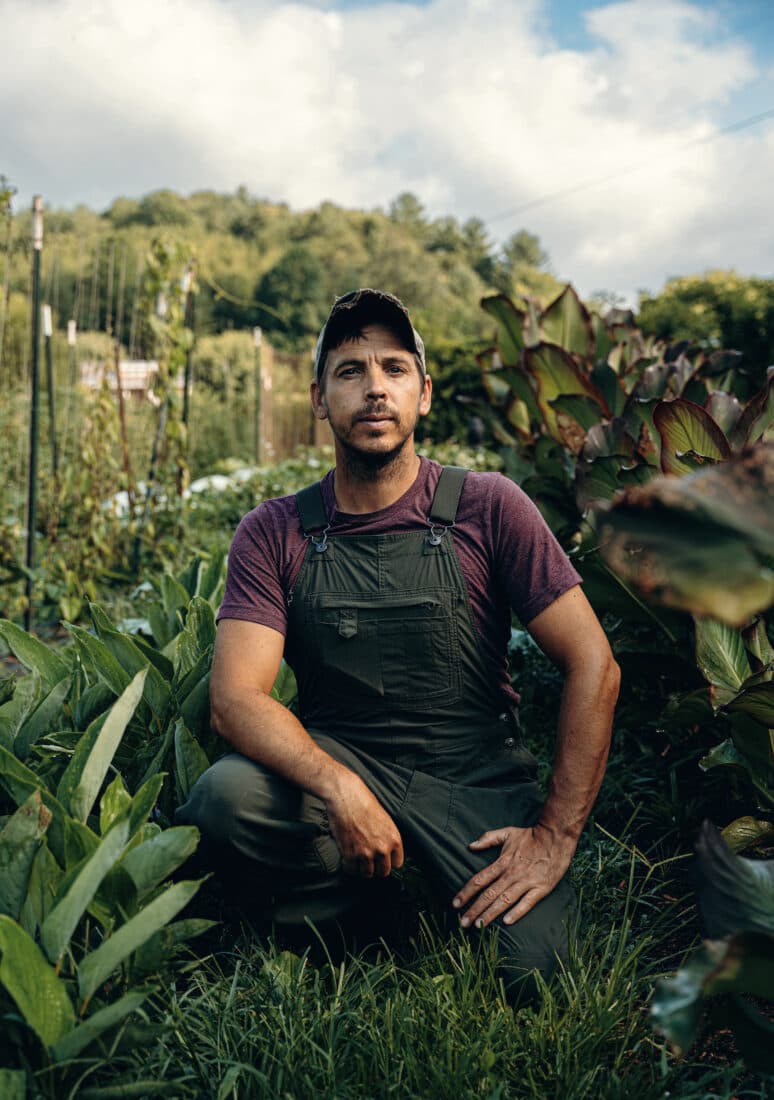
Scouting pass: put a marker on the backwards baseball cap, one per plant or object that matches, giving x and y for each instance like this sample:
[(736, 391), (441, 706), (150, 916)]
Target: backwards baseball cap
[(363, 307)]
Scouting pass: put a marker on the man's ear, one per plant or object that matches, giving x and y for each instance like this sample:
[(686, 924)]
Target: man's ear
[(425, 399), (319, 404)]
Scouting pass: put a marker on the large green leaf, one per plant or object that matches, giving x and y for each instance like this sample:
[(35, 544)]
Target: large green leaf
[(47, 715), (744, 964), (212, 580), (132, 660), (155, 953), (39, 995), (62, 921), (144, 801), (88, 775), (96, 656), (511, 326), (34, 654), (566, 322), (71, 1044), (722, 659), (19, 843), (45, 878), (703, 542), (757, 415), (689, 436), (155, 859), (13, 1084), (98, 965), (20, 782), (190, 760), (725, 410), (114, 804), (757, 701), (733, 893), (556, 373), (197, 636)]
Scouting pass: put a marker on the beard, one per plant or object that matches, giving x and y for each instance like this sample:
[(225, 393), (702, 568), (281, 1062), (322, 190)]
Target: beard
[(367, 465)]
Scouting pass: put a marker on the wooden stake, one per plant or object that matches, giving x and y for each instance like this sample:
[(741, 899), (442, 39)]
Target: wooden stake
[(32, 475)]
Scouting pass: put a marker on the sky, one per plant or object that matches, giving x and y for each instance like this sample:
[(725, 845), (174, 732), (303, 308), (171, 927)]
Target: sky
[(623, 134)]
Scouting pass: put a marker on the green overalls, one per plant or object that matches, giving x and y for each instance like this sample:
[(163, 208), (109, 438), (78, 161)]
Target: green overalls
[(393, 684)]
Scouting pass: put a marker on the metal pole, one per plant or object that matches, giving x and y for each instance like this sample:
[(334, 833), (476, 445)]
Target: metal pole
[(258, 386), (47, 334), (32, 487)]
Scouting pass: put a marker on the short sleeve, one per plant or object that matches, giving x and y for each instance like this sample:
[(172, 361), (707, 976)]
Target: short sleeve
[(254, 589), (530, 565)]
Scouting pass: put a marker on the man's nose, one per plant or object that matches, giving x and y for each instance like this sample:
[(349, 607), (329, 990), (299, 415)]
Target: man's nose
[(375, 384)]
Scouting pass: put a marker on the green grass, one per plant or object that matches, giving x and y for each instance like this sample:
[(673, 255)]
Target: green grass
[(427, 1017)]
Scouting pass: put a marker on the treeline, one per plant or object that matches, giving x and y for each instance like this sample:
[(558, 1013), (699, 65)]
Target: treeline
[(260, 263)]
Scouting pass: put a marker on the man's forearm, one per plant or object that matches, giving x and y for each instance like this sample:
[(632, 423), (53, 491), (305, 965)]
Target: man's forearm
[(583, 743), (264, 730)]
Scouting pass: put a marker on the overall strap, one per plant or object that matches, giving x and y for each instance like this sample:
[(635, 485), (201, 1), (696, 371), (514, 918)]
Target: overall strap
[(446, 499), (311, 509)]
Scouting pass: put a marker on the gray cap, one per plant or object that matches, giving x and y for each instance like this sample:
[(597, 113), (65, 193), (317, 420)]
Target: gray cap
[(367, 307)]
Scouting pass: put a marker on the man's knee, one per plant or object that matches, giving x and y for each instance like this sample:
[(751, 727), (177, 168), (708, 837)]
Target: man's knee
[(236, 794), (536, 944)]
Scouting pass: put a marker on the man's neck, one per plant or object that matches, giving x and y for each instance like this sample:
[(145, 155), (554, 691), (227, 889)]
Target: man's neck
[(361, 487)]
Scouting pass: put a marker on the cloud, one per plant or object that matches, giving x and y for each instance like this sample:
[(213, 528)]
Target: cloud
[(469, 103)]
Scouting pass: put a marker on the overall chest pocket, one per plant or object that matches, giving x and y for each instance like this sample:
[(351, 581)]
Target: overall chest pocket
[(400, 649)]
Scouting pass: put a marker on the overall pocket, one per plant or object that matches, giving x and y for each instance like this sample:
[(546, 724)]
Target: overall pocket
[(397, 649)]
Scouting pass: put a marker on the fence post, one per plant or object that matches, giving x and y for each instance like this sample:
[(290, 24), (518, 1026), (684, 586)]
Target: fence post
[(32, 485), (257, 385)]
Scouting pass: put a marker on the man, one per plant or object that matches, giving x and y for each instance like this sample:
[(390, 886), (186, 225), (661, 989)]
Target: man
[(389, 588)]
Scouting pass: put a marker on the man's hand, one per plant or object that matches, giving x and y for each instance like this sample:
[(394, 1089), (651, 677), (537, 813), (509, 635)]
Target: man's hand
[(530, 865), (366, 835)]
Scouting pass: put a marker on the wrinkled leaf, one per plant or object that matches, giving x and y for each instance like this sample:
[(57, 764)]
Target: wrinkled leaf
[(39, 995), (45, 878), (20, 782)]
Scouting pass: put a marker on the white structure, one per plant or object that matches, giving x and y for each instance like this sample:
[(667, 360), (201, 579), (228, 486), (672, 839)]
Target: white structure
[(136, 377)]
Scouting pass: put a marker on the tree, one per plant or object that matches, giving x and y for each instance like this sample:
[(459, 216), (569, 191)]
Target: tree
[(407, 210), (295, 288), (717, 309)]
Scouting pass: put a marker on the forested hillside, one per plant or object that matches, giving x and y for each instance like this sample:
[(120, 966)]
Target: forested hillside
[(260, 263)]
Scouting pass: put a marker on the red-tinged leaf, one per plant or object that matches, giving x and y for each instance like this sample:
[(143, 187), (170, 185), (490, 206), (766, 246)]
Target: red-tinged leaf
[(556, 373), (725, 409), (757, 415), (685, 427), (510, 322)]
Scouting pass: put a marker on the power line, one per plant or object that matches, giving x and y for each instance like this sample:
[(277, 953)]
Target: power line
[(585, 185)]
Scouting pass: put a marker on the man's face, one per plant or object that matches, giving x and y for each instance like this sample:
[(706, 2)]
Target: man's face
[(372, 393)]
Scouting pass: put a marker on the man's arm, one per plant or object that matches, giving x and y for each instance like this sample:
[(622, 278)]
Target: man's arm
[(532, 861), (244, 667)]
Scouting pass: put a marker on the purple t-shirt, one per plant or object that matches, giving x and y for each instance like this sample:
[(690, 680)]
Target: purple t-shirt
[(508, 555)]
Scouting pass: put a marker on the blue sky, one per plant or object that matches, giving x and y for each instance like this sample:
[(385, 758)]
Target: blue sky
[(597, 123)]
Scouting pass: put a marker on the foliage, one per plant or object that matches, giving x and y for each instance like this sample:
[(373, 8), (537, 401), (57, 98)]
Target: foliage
[(719, 309), (85, 900), (736, 902)]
